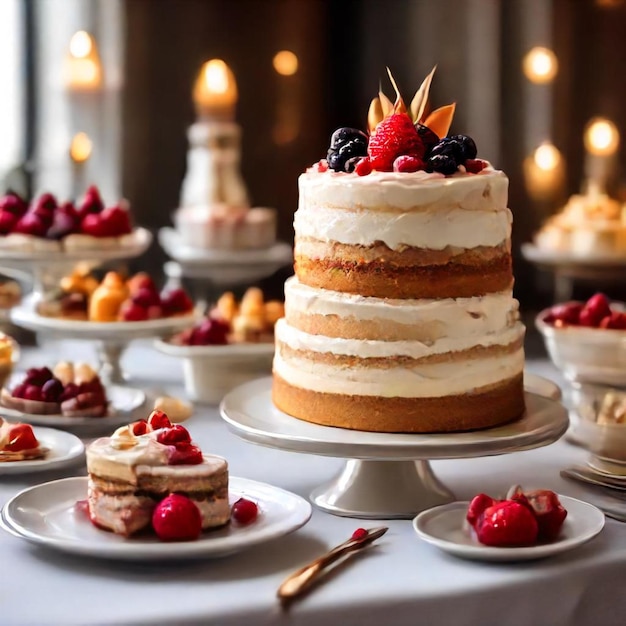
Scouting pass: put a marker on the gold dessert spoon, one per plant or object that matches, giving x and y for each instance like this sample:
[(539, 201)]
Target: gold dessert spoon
[(302, 580)]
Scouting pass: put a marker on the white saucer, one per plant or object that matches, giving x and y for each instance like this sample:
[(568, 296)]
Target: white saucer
[(234, 351), (116, 332), (64, 450), (444, 527), (570, 258), (123, 402), (46, 515)]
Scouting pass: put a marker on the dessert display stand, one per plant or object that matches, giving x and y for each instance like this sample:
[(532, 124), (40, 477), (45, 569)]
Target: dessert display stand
[(47, 267), (388, 475), (568, 267), (111, 338)]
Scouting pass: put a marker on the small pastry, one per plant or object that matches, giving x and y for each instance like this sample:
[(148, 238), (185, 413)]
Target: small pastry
[(226, 307), (107, 299), (176, 409), (18, 443)]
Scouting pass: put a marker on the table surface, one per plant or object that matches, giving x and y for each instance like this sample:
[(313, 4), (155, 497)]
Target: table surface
[(399, 580)]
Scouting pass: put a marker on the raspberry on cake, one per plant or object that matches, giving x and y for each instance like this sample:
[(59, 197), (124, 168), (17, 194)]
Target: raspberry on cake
[(18, 443), (400, 316), (141, 464)]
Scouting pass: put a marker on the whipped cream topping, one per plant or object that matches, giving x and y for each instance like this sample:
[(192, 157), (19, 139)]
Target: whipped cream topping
[(404, 209), (454, 317), (426, 381), (127, 449)]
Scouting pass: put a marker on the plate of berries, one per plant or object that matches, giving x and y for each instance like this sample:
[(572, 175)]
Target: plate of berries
[(524, 526), (54, 515)]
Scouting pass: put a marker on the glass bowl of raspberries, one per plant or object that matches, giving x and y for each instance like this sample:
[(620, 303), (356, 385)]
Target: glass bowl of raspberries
[(587, 340)]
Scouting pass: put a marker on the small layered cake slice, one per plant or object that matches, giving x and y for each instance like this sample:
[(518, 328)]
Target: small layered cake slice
[(142, 464), (19, 443)]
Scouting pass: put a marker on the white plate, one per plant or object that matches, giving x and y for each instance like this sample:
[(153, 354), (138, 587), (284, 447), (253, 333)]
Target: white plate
[(46, 515), (571, 258), (64, 449), (119, 332), (444, 527), (234, 351), (123, 402)]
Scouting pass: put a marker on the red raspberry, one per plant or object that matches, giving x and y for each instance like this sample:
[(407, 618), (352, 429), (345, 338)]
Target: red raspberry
[(173, 435), (140, 427), (507, 523), (394, 137), (477, 507), (595, 310), (473, 166), (320, 166), (568, 313), (157, 419), (177, 518), (363, 167), (549, 513), (359, 533), (406, 163), (244, 511), (616, 320), (185, 453)]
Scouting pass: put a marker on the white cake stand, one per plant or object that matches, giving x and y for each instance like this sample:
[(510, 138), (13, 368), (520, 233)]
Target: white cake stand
[(222, 267), (388, 475), (112, 338), (47, 267)]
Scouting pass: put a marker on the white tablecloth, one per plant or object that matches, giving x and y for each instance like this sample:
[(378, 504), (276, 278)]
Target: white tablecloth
[(400, 580)]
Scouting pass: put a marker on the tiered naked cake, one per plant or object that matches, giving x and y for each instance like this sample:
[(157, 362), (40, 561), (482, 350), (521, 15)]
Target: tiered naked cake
[(400, 317)]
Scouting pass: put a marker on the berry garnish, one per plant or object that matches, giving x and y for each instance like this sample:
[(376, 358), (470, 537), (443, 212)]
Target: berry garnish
[(51, 390), (244, 511), (507, 523), (173, 435), (210, 332), (473, 166), (616, 320), (359, 533), (477, 507), (406, 163), (185, 453), (140, 427), (442, 164), (177, 518), (157, 419), (21, 437), (394, 136), (363, 167), (428, 137), (13, 203), (347, 146)]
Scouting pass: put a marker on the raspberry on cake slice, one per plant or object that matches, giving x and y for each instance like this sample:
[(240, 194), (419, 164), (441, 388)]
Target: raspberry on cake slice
[(18, 442), (141, 464)]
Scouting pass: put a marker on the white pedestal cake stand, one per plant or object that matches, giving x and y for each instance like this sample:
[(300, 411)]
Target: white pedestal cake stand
[(388, 475), (222, 268), (112, 338), (47, 267)]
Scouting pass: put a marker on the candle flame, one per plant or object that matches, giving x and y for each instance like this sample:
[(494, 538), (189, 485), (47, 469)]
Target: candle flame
[(80, 148), (83, 68), (215, 90), (547, 157), (601, 137)]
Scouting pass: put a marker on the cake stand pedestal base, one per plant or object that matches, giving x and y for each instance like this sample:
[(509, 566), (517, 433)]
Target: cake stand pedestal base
[(382, 490), (109, 356)]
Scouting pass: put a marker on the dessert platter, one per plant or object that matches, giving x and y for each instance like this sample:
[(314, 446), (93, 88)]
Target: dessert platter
[(112, 313), (233, 344), (152, 494), (46, 236), (24, 449)]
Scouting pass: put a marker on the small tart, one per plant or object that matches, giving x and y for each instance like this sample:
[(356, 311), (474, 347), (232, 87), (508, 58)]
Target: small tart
[(10, 456), (34, 407)]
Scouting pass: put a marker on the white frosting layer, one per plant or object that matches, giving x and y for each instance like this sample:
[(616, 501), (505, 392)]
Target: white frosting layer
[(299, 340), (419, 209), (426, 381), (455, 318)]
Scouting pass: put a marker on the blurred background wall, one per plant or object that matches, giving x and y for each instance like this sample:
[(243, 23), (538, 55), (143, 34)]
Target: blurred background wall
[(152, 50)]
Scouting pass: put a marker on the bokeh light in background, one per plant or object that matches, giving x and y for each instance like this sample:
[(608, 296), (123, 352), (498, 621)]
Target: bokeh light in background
[(540, 65), (285, 63), (601, 137), (547, 156), (81, 147)]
